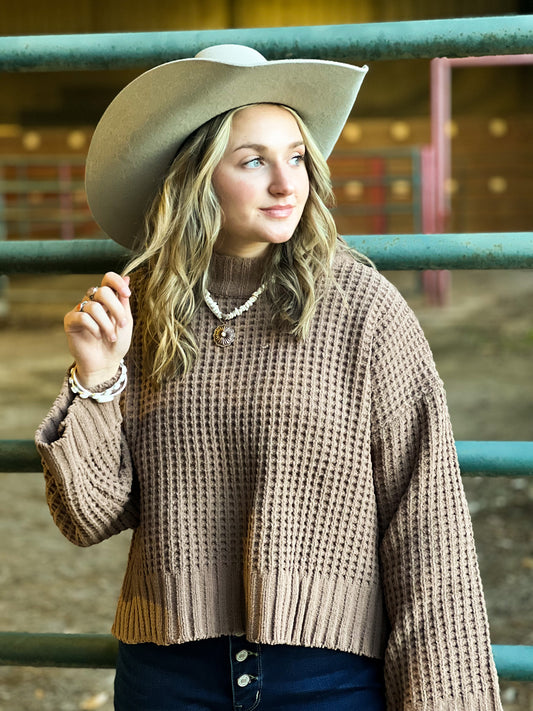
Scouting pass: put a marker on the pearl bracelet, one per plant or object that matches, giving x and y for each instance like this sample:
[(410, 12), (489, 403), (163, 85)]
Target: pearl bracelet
[(105, 395)]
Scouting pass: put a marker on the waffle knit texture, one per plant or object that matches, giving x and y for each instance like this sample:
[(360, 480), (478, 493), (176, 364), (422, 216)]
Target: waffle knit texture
[(300, 492)]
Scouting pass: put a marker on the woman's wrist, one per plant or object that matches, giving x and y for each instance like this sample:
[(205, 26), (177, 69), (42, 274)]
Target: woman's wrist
[(93, 380), (100, 393)]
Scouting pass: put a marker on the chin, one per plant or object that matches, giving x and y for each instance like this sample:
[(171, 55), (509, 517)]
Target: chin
[(280, 239)]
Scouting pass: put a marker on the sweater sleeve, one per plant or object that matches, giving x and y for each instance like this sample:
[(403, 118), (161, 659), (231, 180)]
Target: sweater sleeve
[(438, 655), (90, 487)]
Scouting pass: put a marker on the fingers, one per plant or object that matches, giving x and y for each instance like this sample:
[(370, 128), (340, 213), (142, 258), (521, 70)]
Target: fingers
[(100, 319), (103, 310), (113, 305), (118, 284), (114, 293)]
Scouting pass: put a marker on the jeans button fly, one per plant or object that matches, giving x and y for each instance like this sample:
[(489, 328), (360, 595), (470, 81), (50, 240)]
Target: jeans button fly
[(241, 656), (243, 680)]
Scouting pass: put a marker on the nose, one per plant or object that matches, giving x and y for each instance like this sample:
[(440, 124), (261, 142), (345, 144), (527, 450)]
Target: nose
[(281, 182)]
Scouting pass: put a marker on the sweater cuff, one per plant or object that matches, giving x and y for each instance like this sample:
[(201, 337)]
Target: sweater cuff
[(67, 406)]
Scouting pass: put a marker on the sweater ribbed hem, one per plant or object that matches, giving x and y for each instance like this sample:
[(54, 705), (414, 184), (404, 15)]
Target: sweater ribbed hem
[(308, 611), (488, 701), (312, 611)]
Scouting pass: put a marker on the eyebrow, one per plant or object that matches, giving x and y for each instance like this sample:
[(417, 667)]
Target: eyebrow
[(260, 148)]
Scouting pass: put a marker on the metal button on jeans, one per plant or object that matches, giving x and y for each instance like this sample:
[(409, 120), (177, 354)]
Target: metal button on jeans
[(246, 677)]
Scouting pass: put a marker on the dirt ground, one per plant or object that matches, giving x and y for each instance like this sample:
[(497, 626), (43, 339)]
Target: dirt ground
[(483, 346)]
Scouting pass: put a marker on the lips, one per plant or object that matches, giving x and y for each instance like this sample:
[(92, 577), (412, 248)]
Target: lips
[(278, 211)]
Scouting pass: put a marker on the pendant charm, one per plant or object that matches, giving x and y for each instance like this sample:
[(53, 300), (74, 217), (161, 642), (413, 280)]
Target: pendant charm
[(223, 336)]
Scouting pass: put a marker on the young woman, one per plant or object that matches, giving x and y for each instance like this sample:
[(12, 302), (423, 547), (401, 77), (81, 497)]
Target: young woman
[(280, 444)]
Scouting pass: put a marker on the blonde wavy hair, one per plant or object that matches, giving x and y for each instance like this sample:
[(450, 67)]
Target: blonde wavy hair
[(181, 228)]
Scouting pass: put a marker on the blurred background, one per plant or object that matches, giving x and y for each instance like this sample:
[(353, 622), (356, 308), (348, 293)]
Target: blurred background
[(479, 324)]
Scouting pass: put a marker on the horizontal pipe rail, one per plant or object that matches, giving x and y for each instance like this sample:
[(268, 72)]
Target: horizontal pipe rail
[(513, 662), (19, 455), (475, 458), (493, 250), (511, 250), (478, 458), (83, 256), (58, 650), (426, 39)]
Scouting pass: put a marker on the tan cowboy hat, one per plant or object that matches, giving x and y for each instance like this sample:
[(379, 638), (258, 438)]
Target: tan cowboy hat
[(139, 134)]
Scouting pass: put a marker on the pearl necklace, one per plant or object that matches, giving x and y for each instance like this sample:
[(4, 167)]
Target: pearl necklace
[(224, 335)]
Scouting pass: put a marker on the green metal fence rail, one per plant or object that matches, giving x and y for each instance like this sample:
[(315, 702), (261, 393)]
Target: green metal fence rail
[(510, 250), (22, 649), (423, 39), (99, 651), (378, 41)]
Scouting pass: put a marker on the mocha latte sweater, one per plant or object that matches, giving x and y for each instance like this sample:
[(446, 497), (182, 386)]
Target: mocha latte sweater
[(301, 492)]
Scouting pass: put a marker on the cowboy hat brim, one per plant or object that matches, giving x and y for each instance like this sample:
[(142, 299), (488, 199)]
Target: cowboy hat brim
[(139, 134)]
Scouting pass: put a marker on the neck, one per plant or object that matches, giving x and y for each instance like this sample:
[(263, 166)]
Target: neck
[(238, 248), (236, 276)]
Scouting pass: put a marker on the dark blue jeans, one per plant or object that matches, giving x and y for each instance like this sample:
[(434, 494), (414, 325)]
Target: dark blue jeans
[(232, 674)]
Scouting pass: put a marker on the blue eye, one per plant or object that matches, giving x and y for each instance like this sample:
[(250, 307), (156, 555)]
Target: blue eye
[(253, 163), (297, 159)]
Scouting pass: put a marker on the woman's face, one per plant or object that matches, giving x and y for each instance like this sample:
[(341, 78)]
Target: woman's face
[(261, 182)]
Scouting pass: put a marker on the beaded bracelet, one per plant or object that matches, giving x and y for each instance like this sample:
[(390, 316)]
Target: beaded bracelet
[(105, 395)]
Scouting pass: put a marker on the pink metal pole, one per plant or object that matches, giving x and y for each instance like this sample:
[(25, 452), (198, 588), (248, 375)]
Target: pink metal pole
[(440, 138)]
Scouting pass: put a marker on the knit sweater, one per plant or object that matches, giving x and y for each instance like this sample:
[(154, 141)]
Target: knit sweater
[(303, 492)]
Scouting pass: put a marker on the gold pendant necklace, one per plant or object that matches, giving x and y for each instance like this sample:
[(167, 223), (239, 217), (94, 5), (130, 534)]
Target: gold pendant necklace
[(224, 335)]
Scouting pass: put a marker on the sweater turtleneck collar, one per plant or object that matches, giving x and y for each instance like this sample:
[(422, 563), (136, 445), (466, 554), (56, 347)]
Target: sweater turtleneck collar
[(236, 276)]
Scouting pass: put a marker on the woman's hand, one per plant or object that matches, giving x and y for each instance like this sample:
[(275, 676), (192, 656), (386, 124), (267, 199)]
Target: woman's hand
[(99, 334)]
